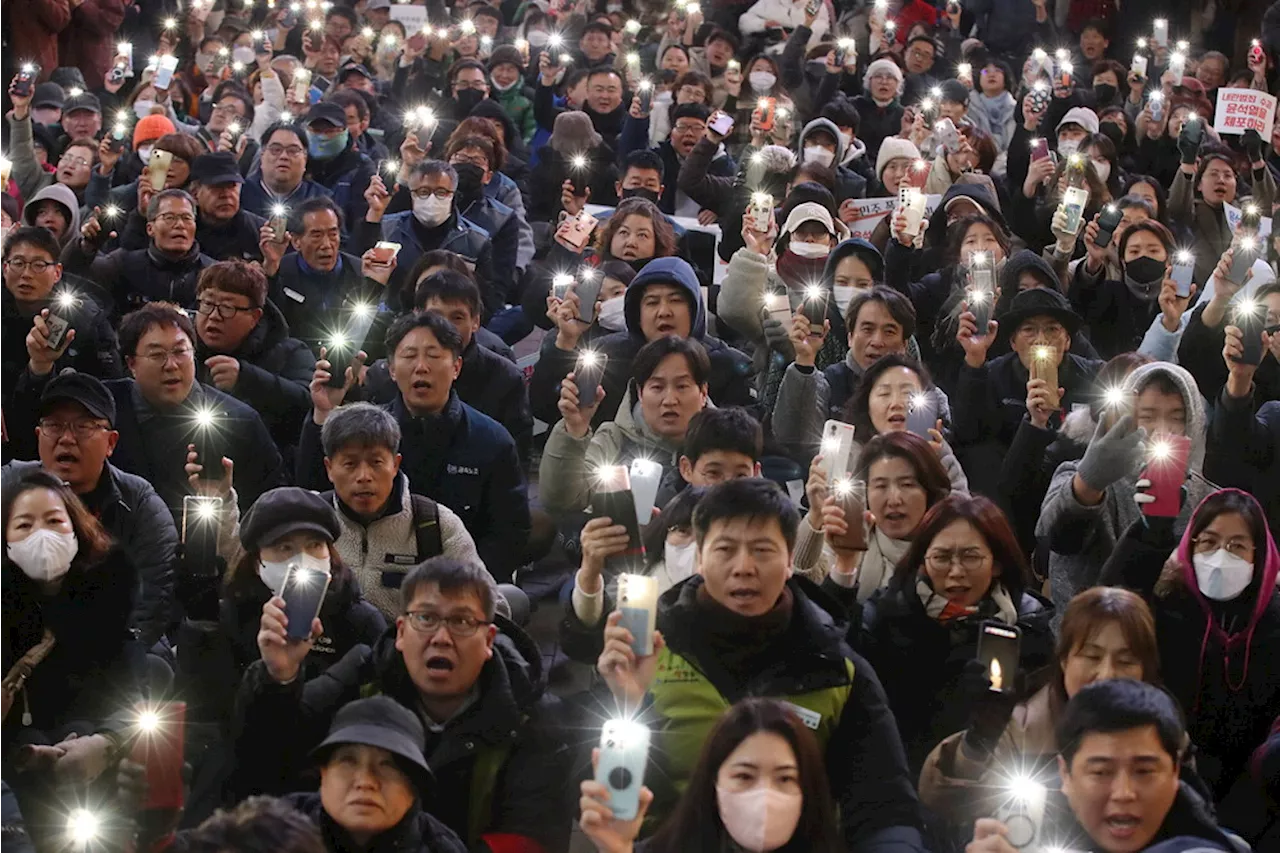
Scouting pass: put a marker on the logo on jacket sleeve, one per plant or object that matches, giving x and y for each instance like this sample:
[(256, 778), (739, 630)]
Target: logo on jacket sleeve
[(462, 469)]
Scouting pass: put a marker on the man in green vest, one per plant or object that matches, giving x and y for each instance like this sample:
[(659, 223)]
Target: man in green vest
[(745, 626)]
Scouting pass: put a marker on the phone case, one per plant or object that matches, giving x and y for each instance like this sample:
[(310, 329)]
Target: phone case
[(721, 123), (913, 203), (301, 85), (949, 136), (199, 534), (580, 228), (847, 53), (646, 477), (765, 113), (1039, 149), (161, 751), (1022, 813), (58, 328), (280, 227), (1181, 274), (1160, 32), (638, 603), (1167, 470), (164, 73), (1177, 66), (1044, 365), (851, 495), (813, 7), (645, 93), (613, 500), (340, 352), (837, 449), (760, 214), (303, 593), (1194, 130), (1073, 203), (383, 251), (1241, 262), (624, 752), (158, 168), (778, 306), (587, 375), (1108, 222), (588, 291), (1255, 52), (998, 649), (1250, 323), (1155, 105), (1139, 65)]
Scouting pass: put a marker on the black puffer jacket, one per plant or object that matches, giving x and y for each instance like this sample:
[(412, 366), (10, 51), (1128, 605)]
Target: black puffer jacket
[(308, 300), (920, 659), (514, 721), (129, 279)]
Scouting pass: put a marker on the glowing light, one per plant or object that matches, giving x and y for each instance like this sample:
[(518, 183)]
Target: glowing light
[(1062, 54), (367, 32), (843, 486), (170, 23), (1043, 353), (1142, 44), (775, 302), (1248, 244), (633, 59), (111, 211), (1039, 55), (936, 91), (830, 444), (123, 116), (813, 291), (1161, 450), (579, 161), (237, 67), (522, 45), (734, 65), (997, 679), (589, 358), (977, 296), (562, 280), (124, 47), (256, 35), (555, 40), (391, 167), (565, 59), (632, 26), (205, 418), (222, 51), (964, 69), (979, 259), (927, 104), (587, 273), (920, 165), (468, 27), (390, 39), (1114, 396), (762, 200), (1185, 257), (1251, 209), (316, 25), (338, 341), (362, 309), (234, 128), (83, 825), (207, 509), (279, 210), (1066, 67), (1023, 788), (148, 721), (66, 300), (919, 402), (890, 26), (75, 91), (1076, 159), (486, 41)]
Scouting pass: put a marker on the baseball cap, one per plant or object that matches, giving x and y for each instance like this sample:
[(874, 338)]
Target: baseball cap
[(83, 101), (377, 4), (809, 211), (353, 67), (76, 387), (1082, 116), (48, 95), (216, 168), (326, 111)]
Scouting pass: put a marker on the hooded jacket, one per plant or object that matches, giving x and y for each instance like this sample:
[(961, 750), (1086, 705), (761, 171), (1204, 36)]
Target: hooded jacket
[(66, 199), (1081, 537), (1228, 675), (730, 383), (849, 184), (505, 750)]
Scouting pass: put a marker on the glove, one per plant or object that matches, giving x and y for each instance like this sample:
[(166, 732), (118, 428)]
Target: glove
[(989, 710), (1112, 454), (1253, 145), (1186, 147), (778, 337)]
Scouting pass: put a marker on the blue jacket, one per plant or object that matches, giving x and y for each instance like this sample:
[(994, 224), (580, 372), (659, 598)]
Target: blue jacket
[(460, 458), (457, 234), (255, 198), (504, 237), (346, 177)]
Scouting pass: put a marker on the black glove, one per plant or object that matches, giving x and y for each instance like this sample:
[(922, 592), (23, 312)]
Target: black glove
[(1187, 147), (1253, 145), (989, 710)]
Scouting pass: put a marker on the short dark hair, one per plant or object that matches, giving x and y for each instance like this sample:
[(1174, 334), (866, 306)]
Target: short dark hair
[(184, 146), (287, 127), (448, 286), (602, 69), (445, 333), (453, 577), (916, 452), (257, 825), (1129, 201), (957, 230), (487, 12), (731, 429), (235, 276), (427, 168), (598, 27), (992, 525), (137, 323), (34, 236), (1099, 24), (343, 12), (721, 34), (696, 110), (298, 215), (153, 208), (1117, 705), (1151, 226), (484, 144), (652, 354), (362, 425), (465, 64), (843, 113), (752, 498), (348, 98), (644, 158), (898, 306)]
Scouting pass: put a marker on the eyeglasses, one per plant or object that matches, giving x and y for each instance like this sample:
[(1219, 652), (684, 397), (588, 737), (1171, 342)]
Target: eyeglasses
[(20, 265), (82, 430), (277, 150), (161, 357), (460, 159), (689, 128), (920, 54), (462, 85), (423, 192), (1205, 543), (970, 559), (175, 218), (428, 623), (74, 160), (226, 312)]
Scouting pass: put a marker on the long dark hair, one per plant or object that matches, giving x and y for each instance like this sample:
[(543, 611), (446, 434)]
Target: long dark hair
[(858, 410), (93, 539), (990, 523), (696, 824), (677, 513), (917, 453)]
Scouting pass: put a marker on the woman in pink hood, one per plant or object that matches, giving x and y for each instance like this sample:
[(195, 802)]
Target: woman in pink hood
[(1217, 620)]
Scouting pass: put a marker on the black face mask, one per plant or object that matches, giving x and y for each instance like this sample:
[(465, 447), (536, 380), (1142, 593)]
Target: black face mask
[(1143, 276), (467, 100), (1105, 93), (641, 192), (470, 178)]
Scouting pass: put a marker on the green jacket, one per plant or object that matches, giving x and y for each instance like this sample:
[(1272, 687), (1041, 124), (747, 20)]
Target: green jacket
[(519, 108)]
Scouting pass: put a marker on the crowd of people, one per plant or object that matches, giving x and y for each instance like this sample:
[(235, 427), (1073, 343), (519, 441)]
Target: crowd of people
[(763, 425)]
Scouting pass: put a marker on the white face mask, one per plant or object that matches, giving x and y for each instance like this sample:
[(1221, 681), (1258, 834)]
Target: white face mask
[(538, 38), (679, 560), (762, 81), (761, 819), (818, 154), (142, 108), (664, 97), (1067, 147), (144, 154), (1103, 168), (431, 211), (508, 87), (844, 295), (1222, 575), (242, 54), (45, 555), (809, 250), (613, 313), (274, 573)]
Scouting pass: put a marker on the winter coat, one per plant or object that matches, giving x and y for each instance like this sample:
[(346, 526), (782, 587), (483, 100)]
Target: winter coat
[(1227, 679), (95, 659), (236, 238), (417, 832), (849, 184), (1027, 467), (1200, 352), (505, 750), (308, 299), (785, 13), (499, 222), (130, 279), (1208, 223), (26, 171), (600, 176), (1080, 537), (89, 41), (673, 201), (346, 177), (730, 383), (456, 234), (460, 458), (1116, 320), (518, 106), (1244, 449), (66, 198), (379, 553), (504, 189), (878, 122), (275, 375), (920, 660), (1007, 26), (815, 560), (257, 199), (35, 25)]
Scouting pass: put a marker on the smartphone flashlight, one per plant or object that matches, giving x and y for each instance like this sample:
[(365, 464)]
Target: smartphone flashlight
[(83, 827)]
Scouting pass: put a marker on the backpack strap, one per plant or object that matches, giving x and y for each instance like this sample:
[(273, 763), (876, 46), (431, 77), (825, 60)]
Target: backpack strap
[(426, 527)]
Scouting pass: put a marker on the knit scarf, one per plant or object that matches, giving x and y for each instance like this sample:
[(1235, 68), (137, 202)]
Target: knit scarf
[(797, 272), (739, 641), (996, 605)]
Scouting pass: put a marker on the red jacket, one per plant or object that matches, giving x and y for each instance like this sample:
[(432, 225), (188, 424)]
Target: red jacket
[(913, 12), (89, 43), (36, 25)]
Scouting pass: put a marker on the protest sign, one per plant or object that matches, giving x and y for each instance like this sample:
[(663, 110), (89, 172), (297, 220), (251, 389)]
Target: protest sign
[(872, 211), (1233, 220), (1245, 109), (414, 18)]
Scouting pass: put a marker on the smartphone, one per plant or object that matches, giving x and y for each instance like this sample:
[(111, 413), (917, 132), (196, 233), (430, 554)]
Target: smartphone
[(160, 748), (1193, 129), (1039, 96), (25, 82), (1039, 149), (980, 303), (280, 225), (1167, 470), (813, 7), (1155, 105), (646, 477), (58, 326), (587, 374), (1242, 258), (119, 137), (384, 252), (1160, 32), (164, 73), (560, 285), (778, 306), (922, 415), (760, 213), (766, 112), (1074, 200), (1183, 268), (612, 499), (158, 168), (998, 646), (913, 202), (1022, 812), (851, 496), (1248, 318), (624, 752), (847, 53), (638, 604), (721, 123), (1177, 67), (116, 74), (579, 231), (125, 50), (343, 348), (837, 449), (1255, 51), (1138, 66), (1108, 222), (644, 91), (303, 593), (200, 534), (812, 303), (301, 86), (948, 135), (588, 290), (1044, 365), (982, 287)]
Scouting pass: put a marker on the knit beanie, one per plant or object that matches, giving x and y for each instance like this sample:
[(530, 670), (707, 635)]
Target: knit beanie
[(892, 148), (150, 128)]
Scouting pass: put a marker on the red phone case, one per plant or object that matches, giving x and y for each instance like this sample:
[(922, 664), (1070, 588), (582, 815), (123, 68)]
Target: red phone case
[(1167, 474), (161, 751)]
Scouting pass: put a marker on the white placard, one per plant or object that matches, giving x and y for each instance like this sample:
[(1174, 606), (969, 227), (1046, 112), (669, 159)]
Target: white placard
[(1234, 215), (872, 211), (414, 18), (1242, 109)]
